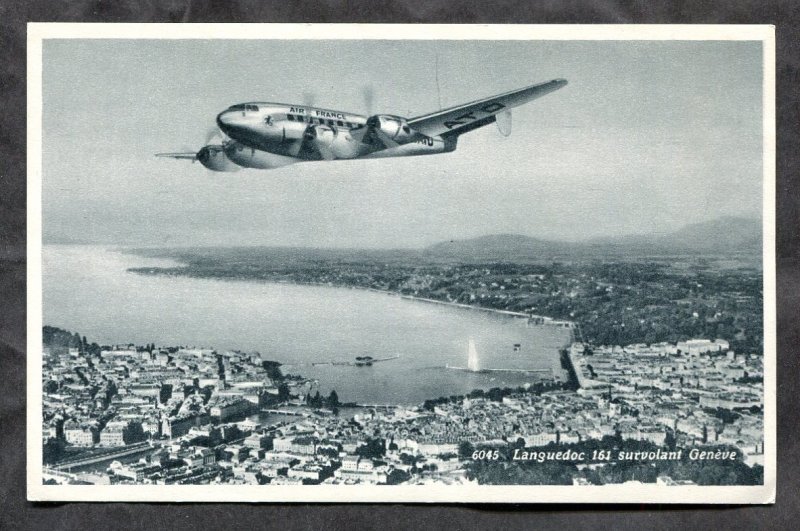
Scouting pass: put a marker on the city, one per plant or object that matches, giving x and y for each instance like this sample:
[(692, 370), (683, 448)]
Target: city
[(127, 414)]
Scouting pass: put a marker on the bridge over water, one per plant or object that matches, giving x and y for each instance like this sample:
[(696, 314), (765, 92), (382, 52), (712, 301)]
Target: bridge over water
[(122, 451)]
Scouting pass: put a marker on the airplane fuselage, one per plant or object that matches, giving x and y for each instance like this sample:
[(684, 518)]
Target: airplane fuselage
[(269, 135)]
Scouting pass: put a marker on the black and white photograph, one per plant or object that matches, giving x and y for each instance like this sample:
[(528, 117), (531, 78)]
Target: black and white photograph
[(385, 263)]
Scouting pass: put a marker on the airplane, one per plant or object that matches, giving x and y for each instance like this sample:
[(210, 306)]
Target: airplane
[(271, 135)]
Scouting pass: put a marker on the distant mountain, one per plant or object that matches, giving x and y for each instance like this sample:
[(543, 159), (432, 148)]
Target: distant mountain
[(727, 235), (500, 245), (722, 234)]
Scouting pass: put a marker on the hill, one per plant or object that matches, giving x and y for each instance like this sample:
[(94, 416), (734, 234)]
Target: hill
[(722, 236)]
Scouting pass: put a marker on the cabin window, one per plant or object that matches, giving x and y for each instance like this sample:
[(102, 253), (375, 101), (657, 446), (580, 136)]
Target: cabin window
[(290, 117), (339, 123)]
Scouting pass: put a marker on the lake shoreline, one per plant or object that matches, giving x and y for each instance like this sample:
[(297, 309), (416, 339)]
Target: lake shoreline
[(92, 289), (170, 272)]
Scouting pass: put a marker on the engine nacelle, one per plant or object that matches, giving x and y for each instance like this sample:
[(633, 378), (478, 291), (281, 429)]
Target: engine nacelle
[(248, 157), (214, 158), (395, 127)]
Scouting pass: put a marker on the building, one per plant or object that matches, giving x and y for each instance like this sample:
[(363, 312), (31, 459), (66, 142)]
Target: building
[(297, 445), (258, 441), (230, 408), (112, 435), (79, 436), (180, 425), (121, 433)]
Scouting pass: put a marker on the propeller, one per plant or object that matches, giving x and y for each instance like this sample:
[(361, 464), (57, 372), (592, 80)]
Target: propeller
[(376, 134), (372, 133), (311, 144), (213, 146)]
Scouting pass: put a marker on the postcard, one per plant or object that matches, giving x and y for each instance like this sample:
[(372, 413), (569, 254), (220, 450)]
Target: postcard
[(401, 263)]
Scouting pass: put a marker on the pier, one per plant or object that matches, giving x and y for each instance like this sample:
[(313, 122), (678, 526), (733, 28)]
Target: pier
[(387, 407), (289, 412), (358, 363), (548, 371), (531, 318)]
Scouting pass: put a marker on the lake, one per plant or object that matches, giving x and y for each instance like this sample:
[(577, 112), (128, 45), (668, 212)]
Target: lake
[(87, 289)]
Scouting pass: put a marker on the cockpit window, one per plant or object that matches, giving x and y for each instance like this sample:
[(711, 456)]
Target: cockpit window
[(243, 107)]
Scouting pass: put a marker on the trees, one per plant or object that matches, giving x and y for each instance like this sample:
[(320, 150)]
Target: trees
[(465, 450), (397, 476), (165, 393), (374, 449), (53, 450), (273, 369), (51, 386), (333, 400), (206, 393), (669, 440), (283, 392)]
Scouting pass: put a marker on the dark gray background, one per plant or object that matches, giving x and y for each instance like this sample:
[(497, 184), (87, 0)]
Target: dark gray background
[(17, 513)]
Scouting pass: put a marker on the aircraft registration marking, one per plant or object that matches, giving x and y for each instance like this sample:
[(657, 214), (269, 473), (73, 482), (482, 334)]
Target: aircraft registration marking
[(489, 108)]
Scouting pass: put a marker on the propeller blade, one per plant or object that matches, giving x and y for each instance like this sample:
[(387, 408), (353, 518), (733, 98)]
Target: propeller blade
[(358, 134), (215, 136), (325, 152), (368, 92), (384, 138), (308, 148)]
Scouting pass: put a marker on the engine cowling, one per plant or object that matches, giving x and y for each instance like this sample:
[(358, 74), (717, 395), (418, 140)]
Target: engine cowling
[(394, 127), (214, 158), (248, 157)]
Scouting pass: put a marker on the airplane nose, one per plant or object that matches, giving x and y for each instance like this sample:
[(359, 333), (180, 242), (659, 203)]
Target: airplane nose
[(225, 120)]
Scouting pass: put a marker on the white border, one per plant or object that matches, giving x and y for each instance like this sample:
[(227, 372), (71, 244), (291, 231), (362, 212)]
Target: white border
[(37, 32)]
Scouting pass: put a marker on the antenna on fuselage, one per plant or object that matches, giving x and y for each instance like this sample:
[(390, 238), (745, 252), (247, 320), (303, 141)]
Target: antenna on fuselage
[(438, 89)]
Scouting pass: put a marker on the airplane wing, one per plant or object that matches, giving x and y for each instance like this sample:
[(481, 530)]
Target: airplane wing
[(187, 156), (463, 118)]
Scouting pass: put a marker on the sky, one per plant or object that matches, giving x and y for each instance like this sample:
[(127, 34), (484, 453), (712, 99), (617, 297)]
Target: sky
[(648, 136)]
